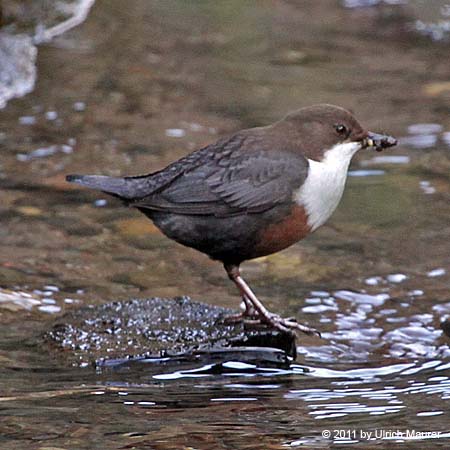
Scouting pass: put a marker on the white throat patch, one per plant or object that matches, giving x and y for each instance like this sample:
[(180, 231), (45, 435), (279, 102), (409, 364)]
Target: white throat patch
[(322, 190)]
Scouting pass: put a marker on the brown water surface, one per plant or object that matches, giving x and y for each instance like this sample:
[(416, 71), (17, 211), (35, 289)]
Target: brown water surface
[(135, 87)]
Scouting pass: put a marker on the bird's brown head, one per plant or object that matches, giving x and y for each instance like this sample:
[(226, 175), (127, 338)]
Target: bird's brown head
[(317, 129)]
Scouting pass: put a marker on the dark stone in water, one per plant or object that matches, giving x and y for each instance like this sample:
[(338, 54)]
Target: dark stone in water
[(164, 330)]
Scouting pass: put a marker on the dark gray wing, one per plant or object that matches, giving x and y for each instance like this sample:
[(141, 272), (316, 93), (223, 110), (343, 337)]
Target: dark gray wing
[(134, 188), (243, 179)]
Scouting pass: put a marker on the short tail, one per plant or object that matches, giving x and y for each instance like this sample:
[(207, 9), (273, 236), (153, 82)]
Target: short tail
[(124, 188)]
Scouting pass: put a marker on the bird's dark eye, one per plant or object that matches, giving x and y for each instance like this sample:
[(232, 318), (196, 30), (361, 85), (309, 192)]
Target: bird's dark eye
[(341, 129)]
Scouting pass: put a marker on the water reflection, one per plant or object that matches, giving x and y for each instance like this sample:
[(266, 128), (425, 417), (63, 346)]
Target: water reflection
[(133, 89), (357, 393)]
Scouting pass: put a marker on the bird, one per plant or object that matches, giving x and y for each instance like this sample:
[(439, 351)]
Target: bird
[(252, 193)]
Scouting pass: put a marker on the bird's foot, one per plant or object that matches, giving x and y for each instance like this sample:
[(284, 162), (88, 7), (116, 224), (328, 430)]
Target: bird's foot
[(288, 325), (248, 313), (244, 316), (255, 321)]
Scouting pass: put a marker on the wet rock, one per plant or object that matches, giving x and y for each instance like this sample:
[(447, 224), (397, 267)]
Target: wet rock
[(164, 330), (437, 88), (141, 233), (11, 275), (30, 211), (76, 228), (145, 279), (287, 265)]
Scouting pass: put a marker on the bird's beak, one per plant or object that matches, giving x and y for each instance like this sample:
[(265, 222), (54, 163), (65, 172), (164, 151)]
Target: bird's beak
[(379, 141)]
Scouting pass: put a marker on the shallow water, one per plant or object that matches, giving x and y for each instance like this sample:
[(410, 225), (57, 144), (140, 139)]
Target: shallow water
[(132, 89)]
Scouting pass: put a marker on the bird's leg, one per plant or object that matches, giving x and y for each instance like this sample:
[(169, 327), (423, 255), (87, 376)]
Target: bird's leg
[(248, 313), (275, 321)]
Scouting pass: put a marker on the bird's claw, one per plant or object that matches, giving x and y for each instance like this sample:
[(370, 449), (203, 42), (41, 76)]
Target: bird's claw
[(241, 317), (287, 325)]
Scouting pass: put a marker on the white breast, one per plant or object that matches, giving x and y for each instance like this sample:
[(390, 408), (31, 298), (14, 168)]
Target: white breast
[(322, 190)]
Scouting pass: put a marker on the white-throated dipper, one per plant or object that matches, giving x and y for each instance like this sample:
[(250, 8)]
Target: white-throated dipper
[(253, 193)]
